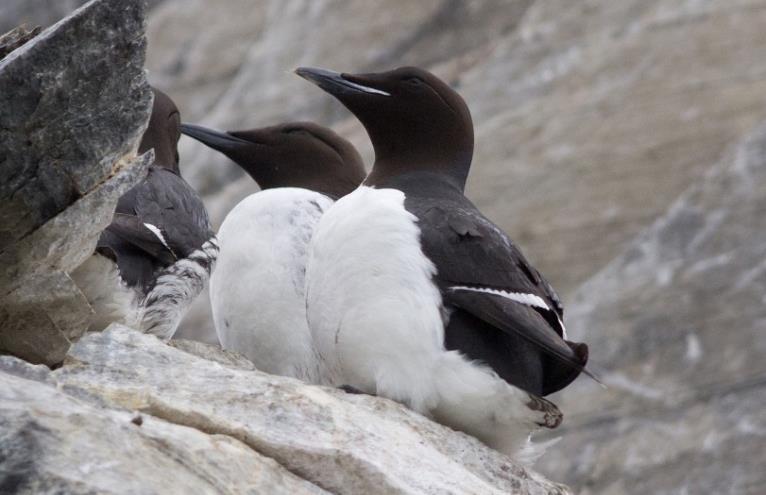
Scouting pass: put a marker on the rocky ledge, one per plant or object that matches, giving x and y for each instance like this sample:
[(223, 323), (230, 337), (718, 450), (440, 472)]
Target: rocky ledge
[(127, 413)]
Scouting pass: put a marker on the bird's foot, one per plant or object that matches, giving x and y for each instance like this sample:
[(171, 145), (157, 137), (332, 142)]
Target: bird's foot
[(548, 414)]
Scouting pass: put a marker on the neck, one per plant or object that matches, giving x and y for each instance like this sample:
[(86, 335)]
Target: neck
[(452, 167)]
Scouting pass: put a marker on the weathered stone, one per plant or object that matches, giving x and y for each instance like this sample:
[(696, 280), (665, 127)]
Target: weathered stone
[(340, 442), (73, 102), (678, 322), (40, 317), (51, 442), (17, 37), (45, 309), (213, 353), (66, 240)]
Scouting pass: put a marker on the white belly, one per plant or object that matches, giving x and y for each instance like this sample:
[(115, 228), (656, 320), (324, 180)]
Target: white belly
[(372, 308), (257, 290)]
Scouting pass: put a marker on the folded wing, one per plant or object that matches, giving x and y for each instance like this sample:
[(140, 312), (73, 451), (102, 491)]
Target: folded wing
[(482, 272)]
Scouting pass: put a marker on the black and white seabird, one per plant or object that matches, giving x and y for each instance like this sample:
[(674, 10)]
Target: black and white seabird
[(158, 252), (257, 291), (413, 294)]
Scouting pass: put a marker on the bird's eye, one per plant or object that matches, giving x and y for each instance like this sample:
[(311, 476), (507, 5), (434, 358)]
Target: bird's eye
[(414, 80)]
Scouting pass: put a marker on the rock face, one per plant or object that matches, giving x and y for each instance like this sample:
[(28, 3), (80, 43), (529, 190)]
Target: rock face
[(129, 414), (679, 323), (68, 446), (73, 103)]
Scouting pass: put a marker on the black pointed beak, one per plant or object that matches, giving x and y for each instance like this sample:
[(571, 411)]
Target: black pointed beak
[(336, 83), (218, 140)]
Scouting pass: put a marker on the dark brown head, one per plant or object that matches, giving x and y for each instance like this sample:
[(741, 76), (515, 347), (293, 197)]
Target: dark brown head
[(295, 154), (415, 121), (163, 132)]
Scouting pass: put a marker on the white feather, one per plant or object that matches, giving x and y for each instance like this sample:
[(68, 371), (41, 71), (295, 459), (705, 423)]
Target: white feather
[(157, 233), (375, 315), (519, 297), (257, 291)]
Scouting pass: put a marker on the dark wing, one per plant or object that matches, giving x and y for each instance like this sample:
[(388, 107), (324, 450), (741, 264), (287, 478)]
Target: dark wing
[(169, 203), (482, 272), (159, 221), (135, 267)]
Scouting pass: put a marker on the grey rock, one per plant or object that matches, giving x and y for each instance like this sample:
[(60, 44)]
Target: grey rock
[(68, 115), (67, 239), (39, 318), (51, 442), (44, 309), (213, 353), (678, 322), (74, 102), (339, 442)]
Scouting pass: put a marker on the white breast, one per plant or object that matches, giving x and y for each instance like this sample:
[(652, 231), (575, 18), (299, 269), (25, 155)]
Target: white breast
[(372, 308), (257, 290)]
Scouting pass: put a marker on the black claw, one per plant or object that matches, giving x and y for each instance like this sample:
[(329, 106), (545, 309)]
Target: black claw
[(552, 416)]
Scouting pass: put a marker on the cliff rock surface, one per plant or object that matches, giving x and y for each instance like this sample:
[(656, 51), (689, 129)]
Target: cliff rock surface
[(74, 102), (127, 413)]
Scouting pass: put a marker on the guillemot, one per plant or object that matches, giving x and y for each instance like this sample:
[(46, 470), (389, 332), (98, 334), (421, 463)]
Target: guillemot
[(159, 250), (413, 294), (257, 293)]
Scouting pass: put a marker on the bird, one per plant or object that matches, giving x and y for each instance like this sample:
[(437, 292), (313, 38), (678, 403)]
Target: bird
[(413, 294), (257, 293), (157, 253)]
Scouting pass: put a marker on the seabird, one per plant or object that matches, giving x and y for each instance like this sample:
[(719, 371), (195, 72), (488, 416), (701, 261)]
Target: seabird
[(257, 292), (157, 254), (413, 294)]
